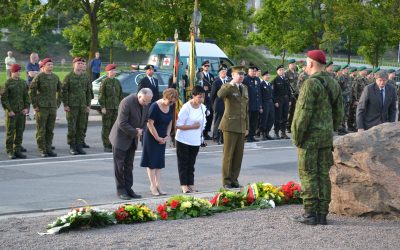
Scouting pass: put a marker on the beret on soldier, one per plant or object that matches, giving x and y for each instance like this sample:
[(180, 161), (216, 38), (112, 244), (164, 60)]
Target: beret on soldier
[(352, 69), (291, 61), (110, 67), (374, 70), (280, 67), (223, 67), (205, 62), (237, 69), (391, 71), (44, 61), (149, 66), (336, 68), (78, 59), (265, 73), (344, 67), (328, 64), (362, 68), (317, 55), (15, 68)]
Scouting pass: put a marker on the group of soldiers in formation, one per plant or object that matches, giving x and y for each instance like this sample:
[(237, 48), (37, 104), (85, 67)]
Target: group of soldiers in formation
[(271, 103)]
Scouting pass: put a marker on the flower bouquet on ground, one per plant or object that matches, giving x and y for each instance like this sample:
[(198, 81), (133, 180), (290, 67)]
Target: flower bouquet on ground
[(292, 192), (184, 207), (227, 200), (84, 217), (263, 195), (129, 213)]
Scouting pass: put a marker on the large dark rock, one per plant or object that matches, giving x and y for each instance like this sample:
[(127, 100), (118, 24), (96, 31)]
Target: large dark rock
[(366, 173)]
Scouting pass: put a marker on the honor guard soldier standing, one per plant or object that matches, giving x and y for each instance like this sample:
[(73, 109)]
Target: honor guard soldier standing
[(84, 66), (110, 95), (319, 111), (358, 86), (15, 102), (282, 96), (76, 97), (45, 94), (150, 82), (345, 85), (218, 103), (234, 125), (253, 87), (208, 79), (292, 77), (268, 110)]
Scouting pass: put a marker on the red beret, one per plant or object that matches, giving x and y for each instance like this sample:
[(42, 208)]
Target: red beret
[(44, 61), (110, 67), (15, 68), (317, 55), (78, 59)]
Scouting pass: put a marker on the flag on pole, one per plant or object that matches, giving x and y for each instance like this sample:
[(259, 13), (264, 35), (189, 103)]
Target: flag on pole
[(192, 66), (176, 76)]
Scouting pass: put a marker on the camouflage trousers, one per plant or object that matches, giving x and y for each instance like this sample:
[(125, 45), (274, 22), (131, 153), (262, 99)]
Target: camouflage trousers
[(76, 119), (45, 122), (346, 106), (85, 127), (15, 127), (108, 120), (314, 165), (351, 120)]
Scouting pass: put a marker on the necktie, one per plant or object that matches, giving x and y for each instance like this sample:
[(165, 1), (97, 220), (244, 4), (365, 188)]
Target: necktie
[(382, 98), (152, 81), (240, 89)]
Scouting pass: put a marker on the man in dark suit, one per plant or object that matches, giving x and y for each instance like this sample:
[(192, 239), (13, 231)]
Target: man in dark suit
[(132, 116), (150, 82), (208, 79), (268, 111), (252, 83), (282, 96), (377, 103), (218, 103)]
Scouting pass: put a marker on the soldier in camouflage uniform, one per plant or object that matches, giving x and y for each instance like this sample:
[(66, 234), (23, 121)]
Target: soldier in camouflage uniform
[(358, 85), (345, 85), (319, 111), (110, 95), (45, 94), (76, 98), (15, 102), (351, 120), (84, 145), (292, 76), (392, 80)]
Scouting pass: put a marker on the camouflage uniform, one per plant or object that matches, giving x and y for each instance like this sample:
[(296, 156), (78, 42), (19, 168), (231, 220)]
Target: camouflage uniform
[(314, 120), (76, 95), (15, 98), (345, 85), (358, 85), (292, 77), (301, 79), (110, 95), (398, 96), (45, 94), (87, 114)]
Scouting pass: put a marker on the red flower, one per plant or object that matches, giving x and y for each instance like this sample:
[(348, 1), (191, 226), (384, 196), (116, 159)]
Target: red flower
[(164, 215), (161, 208), (121, 214), (225, 201), (214, 200), (174, 204)]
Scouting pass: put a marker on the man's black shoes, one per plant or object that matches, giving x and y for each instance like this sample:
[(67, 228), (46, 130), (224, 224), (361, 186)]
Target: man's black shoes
[(124, 197), (134, 195)]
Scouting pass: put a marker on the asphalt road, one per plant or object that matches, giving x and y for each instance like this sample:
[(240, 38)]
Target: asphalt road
[(42, 184)]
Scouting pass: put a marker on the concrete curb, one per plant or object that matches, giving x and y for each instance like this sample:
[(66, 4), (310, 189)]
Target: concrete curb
[(59, 124)]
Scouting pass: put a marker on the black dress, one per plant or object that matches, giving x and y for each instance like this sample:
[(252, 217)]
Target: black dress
[(153, 155)]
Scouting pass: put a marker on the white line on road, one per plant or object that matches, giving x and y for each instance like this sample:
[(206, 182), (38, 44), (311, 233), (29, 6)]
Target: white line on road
[(110, 158)]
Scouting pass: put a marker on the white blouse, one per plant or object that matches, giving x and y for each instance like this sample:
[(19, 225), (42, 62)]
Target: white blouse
[(188, 116)]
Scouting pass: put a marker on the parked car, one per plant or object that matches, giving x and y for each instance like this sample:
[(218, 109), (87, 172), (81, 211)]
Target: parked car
[(129, 81)]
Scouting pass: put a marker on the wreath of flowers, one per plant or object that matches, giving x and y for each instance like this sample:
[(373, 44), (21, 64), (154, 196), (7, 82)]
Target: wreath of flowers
[(129, 213), (263, 195), (292, 192), (183, 207), (227, 200)]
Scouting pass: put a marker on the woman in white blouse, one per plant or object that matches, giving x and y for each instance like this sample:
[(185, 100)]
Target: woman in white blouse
[(190, 124)]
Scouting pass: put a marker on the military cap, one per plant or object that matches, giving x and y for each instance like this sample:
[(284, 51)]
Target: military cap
[(205, 62), (149, 66), (391, 71), (291, 61), (336, 68), (369, 71), (352, 69), (237, 69), (317, 55), (254, 67), (328, 64), (280, 67), (15, 67), (44, 61), (362, 68), (265, 73), (374, 70), (78, 59), (110, 67), (344, 67), (223, 67)]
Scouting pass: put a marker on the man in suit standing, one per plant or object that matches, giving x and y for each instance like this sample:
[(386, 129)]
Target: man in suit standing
[(150, 82), (377, 103), (218, 103), (208, 79), (252, 83), (268, 110), (234, 125), (132, 115)]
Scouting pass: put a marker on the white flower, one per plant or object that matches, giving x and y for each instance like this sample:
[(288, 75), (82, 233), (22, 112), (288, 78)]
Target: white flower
[(272, 203)]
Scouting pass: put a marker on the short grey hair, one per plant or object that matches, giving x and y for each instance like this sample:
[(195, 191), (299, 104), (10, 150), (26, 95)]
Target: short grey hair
[(145, 92), (382, 74)]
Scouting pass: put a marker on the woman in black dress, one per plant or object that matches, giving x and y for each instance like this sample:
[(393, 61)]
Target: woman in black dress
[(157, 134)]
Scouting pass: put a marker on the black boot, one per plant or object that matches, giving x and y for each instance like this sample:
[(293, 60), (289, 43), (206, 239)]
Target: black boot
[(322, 219), (84, 145), (268, 137), (50, 153), (277, 137), (284, 135), (20, 155), (80, 150), (73, 150), (306, 218)]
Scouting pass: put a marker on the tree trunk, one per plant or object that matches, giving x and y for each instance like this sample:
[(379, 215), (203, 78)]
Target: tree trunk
[(111, 51), (94, 36), (349, 50)]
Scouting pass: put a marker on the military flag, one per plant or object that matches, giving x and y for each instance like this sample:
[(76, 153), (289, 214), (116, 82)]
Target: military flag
[(192, 66)]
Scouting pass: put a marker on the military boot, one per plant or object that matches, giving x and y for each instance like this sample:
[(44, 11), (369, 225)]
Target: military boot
[(306, 218), (84, 145), (277, 137), (20, 155), (50, 153), (11, 156), (73, 150), (322, 219), (284, 135), (80, 150)]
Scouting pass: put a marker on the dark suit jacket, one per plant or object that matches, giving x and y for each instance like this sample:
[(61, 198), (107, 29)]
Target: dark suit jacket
[(130, 117), (370, 111), (145, 83), (280, 88), (218, 103)]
